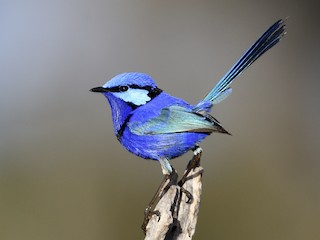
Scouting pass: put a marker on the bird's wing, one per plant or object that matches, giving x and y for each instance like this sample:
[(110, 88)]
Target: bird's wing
[(176, 119)]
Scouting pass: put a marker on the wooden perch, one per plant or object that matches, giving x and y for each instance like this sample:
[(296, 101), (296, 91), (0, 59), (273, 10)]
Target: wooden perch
[(178, 217)]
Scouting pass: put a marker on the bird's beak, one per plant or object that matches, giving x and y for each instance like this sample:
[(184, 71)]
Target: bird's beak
[(99, 89)]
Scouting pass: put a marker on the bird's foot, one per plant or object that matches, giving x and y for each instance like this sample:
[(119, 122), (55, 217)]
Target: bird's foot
[(148, 213)]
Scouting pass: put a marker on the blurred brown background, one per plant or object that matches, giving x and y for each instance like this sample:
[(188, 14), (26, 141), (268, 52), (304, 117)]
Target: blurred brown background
[(63, 175)]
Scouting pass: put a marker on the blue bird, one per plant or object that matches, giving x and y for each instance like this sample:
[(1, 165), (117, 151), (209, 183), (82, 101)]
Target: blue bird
[(155, 125)]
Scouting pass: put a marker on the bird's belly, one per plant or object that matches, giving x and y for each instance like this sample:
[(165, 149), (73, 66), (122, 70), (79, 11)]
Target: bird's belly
[(169, 145)]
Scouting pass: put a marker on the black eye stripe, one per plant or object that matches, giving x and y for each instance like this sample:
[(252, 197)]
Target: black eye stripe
[(154, 92), (118, 88), (124, 88)]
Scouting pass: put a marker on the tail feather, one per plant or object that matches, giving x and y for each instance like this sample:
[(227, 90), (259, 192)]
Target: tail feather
[(270, 38)]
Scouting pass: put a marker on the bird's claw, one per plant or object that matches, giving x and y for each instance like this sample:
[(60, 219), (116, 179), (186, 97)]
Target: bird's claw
[(188, 194), (148, 213)]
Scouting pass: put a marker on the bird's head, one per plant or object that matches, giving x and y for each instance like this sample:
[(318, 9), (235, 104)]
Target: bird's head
[(133, 88)]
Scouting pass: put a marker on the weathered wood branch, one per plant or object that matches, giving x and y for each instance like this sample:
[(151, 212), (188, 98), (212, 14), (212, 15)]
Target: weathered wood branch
[(178, 217)]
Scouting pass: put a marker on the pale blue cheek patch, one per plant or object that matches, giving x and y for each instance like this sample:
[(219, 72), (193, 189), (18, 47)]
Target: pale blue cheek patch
[(136, 96)]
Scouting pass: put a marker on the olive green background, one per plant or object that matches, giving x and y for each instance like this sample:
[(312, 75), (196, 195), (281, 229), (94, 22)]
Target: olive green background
[(63, 175)]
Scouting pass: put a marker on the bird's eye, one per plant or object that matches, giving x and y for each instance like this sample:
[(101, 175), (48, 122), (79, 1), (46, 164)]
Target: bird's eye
[(123, 88)]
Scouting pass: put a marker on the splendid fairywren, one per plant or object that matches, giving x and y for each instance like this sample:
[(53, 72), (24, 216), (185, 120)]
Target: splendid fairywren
[(154, 125)]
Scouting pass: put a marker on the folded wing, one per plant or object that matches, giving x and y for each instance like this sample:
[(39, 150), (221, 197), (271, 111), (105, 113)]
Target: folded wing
[(177, 119)]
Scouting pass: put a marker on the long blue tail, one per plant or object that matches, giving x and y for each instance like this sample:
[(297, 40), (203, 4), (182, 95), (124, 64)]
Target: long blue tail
[(270, 38)]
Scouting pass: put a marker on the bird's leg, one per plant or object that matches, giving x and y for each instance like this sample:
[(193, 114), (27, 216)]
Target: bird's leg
[(193, 163), (149, 211), (169, 174)]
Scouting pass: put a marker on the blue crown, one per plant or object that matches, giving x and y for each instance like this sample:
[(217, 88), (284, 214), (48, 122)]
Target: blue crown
[(140, 79)]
